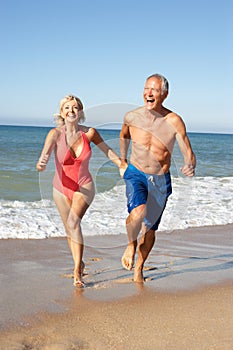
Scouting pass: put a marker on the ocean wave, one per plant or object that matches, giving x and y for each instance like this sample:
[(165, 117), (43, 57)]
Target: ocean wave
[(198, 201)]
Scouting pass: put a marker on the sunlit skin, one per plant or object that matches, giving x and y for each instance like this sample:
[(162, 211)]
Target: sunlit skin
[(72, 211), (152, 131)]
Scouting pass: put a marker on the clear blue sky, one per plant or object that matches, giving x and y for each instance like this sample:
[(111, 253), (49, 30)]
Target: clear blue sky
[(103, 50)]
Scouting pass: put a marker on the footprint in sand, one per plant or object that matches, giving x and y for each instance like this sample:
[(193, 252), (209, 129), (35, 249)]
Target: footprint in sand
[(95, 259), (67, 275), (149, 268), (130, 280), (124, 280), (148, 279), (70, 275)]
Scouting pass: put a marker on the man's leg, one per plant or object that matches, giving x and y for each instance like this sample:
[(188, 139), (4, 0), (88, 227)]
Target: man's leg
[(145, 245), (147, 240), (133, 227)]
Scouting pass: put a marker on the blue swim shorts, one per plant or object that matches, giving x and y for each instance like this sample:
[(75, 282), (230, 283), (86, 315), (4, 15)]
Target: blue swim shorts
[(152, 190)]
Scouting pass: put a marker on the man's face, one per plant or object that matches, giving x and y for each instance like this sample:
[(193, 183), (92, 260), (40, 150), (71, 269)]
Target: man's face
[(152, 93)]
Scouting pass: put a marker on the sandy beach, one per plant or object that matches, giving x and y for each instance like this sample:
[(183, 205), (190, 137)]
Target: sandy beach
[(185, 303)]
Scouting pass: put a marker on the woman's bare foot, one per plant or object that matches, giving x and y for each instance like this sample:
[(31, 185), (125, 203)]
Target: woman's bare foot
[(127, 259), (78, 282)]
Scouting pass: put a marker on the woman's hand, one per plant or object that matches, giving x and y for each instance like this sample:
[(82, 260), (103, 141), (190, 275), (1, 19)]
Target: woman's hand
[(122, 168), (42, 162)]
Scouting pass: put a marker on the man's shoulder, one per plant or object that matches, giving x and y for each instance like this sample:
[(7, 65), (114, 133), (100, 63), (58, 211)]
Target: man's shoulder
[(134, 114), (176, 121), (173, 117)]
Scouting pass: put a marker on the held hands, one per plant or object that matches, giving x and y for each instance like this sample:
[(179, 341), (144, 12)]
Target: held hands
[(42, 162), (122, 169), (188, 170)]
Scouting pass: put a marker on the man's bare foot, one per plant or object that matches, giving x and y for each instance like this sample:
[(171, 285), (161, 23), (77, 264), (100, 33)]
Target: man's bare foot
[(127, 259), (138, 275)]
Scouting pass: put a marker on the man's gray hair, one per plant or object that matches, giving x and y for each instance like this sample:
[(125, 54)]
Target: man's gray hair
[(165, 84)]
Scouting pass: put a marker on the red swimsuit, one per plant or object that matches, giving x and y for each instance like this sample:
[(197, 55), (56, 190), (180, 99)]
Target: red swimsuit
[(71, 173)]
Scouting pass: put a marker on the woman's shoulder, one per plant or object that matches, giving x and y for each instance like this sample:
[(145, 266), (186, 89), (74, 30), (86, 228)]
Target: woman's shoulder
[(55, 133), (85, 128), (88, 130)]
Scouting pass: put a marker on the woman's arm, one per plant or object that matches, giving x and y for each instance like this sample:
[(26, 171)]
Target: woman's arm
[(95, 137), (46, 152)]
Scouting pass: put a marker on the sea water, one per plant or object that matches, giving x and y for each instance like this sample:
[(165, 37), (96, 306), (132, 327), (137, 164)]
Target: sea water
[(28, 211)]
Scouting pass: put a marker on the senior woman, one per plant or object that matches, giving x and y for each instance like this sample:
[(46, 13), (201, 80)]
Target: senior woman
[(73, 187)]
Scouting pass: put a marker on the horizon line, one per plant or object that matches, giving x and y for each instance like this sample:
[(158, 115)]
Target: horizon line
[(105, 128)]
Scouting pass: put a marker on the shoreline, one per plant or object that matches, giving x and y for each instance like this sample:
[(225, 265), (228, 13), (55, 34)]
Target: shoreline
[(191, 270), (200, 319)]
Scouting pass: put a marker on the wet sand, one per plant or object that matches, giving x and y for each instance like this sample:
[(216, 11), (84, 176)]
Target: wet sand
[(185, 303)]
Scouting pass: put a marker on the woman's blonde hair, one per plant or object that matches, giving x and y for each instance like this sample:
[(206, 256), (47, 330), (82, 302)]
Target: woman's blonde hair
[(59, 120)]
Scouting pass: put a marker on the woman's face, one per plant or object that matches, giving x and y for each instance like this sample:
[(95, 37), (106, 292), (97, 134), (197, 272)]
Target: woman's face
[(70, 111)]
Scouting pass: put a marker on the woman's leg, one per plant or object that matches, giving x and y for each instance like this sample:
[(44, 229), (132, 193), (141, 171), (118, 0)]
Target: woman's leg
[(71, 213), (80, 203)]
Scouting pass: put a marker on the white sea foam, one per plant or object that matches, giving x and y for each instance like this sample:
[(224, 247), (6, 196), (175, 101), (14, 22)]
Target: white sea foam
[(199, 201)]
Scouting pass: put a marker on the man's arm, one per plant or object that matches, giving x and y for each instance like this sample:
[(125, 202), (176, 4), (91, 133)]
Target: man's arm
[(185, 147), (124, 146)]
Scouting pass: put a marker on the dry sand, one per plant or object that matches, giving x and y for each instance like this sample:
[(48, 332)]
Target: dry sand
[(186, 302)]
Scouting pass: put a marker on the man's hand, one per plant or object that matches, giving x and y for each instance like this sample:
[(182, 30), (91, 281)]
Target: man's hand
[(188, 170)]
